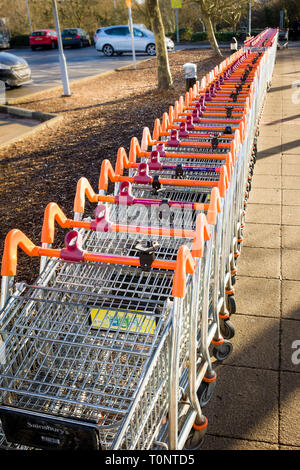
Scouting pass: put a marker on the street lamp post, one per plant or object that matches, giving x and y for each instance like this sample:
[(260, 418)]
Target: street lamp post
[(28, 14), (249, 31), (129, 5), (62, 59)]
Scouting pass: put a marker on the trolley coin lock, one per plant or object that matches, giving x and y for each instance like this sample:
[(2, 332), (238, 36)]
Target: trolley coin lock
[(165, 212), (146, 254)]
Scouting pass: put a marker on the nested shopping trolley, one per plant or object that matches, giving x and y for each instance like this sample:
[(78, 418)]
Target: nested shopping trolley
[(208, 169), (190, 190), (109, 347), (102, 350)]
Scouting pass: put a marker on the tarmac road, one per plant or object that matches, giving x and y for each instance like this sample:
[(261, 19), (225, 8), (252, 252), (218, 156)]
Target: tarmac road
[(81, 63)]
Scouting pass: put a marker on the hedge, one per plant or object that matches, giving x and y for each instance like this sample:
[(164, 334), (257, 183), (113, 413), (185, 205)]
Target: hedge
[(21, 40)]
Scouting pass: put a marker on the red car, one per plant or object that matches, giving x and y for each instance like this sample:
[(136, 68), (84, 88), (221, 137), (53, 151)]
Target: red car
[(45, 38)]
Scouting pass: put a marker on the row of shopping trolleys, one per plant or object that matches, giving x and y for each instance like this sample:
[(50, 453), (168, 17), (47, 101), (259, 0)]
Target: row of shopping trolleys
[(112, 346)]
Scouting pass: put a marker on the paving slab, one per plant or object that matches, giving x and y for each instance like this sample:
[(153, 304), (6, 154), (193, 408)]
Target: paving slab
[(271, 158), (289, 408), (291, 197), (12, 127), (262, 235), (291, 159), (291, 264), (269, 146), (265, 196), (291, 299), (269, 130), (265, 167), (291, 237), (256, 342), (225, 443), (283, 447), (290, 169), (245, 404), (290, 182), (263, 214), (258, 296), (267, 181), (260, 262), (291, 215), (291, 146)]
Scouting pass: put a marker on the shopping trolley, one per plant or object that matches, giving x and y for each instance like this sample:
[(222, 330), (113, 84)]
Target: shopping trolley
[(89, 334), (109, 347)]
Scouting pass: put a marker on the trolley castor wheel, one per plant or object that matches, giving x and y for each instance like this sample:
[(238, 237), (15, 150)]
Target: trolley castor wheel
[(196, 437), (222, 351), (231, 305), (205, 392), (227, 329)]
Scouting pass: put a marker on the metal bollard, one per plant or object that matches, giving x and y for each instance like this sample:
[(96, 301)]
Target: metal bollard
[(233, 45), (190, 71)]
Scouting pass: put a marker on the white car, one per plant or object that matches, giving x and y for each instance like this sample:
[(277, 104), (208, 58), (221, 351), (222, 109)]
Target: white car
[(117, 39)]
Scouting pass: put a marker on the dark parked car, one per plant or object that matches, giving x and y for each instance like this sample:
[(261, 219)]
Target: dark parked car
[(14, 71), (75, 37)]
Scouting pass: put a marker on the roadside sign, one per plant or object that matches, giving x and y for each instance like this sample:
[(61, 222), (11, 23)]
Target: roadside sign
[(176, 3), (130, 24)]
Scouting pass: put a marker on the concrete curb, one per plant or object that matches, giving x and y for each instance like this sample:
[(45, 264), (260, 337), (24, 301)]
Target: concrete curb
[(26, 113)]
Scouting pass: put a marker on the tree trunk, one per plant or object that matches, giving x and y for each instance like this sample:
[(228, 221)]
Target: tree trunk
[(165, 81), (209, 28)]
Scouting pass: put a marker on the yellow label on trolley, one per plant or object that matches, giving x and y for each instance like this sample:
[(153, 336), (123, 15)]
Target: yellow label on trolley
[(123, 320)]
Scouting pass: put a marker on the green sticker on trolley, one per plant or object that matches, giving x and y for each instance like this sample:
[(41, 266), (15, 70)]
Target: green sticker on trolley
[(123, 320)]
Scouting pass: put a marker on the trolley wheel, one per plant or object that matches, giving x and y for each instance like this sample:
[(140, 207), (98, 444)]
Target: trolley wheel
[(227, 329), (195, 439), (222, 351), (205, 392), (231, 305)]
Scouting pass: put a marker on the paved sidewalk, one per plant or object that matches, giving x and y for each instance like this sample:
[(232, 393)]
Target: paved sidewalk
[(13, 127), (256, 401)]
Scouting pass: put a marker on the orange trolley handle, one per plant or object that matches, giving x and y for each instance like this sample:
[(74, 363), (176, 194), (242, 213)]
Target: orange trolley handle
[(184, 264), (53, 214), (107, 174)]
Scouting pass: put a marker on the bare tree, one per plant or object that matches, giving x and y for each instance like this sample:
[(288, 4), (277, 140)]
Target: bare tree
[(207, 8), (165, 81)]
